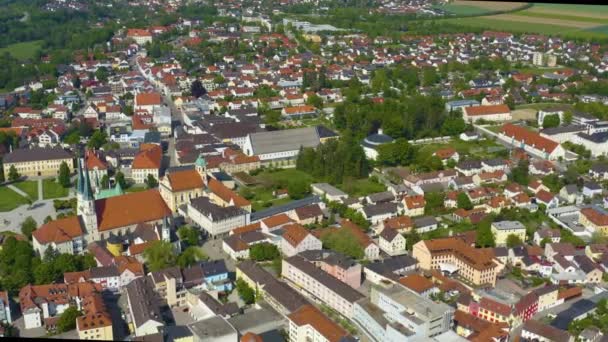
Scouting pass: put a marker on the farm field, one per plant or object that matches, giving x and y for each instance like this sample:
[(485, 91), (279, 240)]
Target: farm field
[(573, 21), (22, 50), (466, 7)]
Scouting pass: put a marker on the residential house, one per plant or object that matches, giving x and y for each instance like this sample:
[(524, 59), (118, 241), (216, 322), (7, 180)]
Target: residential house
[(392, 242), (296, 239)]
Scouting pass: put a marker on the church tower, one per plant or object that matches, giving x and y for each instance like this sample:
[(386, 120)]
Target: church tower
[(86, 202), (201, 167)]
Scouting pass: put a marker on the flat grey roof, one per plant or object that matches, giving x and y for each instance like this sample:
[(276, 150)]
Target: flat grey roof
[(284, 140), (212, 328), (262, 214)]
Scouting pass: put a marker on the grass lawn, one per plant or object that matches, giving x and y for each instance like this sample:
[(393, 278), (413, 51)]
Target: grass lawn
[(29, 187), (361, 187), (261, 205), (9, 199), (283, 176), (52, 189), (136, 188), (494, 23), (461, 146), (24, 50)]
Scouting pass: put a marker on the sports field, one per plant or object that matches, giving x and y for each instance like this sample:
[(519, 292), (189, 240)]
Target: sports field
[(584, 21)]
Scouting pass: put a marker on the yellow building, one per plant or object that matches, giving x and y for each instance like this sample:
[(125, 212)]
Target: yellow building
[(503, 229), (594, 220), (453, 255), (37, 162), (96, 322), (179, 187)]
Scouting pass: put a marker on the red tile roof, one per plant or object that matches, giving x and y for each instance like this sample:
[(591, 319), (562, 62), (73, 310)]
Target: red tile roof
[(309, 315), (148, 99), (529, 138), (185, 180), (130, 209), (149, 157), (294, 234), (62, 230), (227, 195)]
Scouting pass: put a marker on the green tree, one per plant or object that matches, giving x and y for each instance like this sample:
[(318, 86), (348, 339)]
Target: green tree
[(197, 90), (105, 181), (513, 241), (67, 320), (400, 152), (263, 252), (160, 255), (64, 175), (550, 121), (97, 140), (315, 101), (412, 238), (463, 201), (190, 256), (16, 264), (189, 235), (345, 242), (120, 179), (28, 226), (298, 188), (520, 172), (151, 182), (13, 175), (102, 74), (246, 293), (545, 241), (485, 238)]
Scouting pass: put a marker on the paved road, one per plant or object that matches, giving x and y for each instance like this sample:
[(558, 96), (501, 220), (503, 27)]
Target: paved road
[(17, 190), (40, 190), (11, 221)]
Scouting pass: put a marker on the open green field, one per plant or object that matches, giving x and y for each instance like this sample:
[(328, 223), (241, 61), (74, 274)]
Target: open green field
[(24, 50), (29, 187), (52, 189), (571, 21), (573, 17), (467, 7), (361, 187), (10, 200), (572, 8)]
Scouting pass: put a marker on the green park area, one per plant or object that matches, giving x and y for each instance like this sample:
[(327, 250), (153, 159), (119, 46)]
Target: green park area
[(10, 200), (29, 187), (52, 189), (22, 51)]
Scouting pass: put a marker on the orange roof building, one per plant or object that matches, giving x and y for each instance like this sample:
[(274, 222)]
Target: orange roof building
[(454, 255), (122, 212), (147, 101), (298, 239), (222, 194), (147, 162), (309, 321), (178, 187), (488, 113), (532, 142), (64, 235)]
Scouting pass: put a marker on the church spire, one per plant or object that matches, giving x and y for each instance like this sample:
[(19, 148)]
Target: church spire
[(84, 182)]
